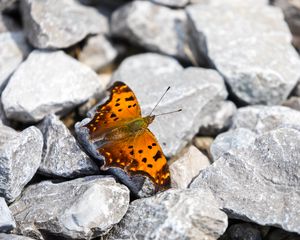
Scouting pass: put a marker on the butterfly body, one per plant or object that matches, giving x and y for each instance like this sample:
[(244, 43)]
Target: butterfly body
[(123, 137)]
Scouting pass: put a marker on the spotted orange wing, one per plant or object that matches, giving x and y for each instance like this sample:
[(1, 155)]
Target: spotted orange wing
[(140, 154), (121, 107)]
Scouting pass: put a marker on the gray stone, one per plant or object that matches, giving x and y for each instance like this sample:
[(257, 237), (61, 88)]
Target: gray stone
[(20, 157), (8, 24), (83, 208), (98, 52), (291, 11), (235, 139), (244, 231), (187, 166), (12, 52), (173, 214), (171, 3), (259, 183), (7, 221), (62, 155), (154, 27), (248, 3), (219, 120), (48, 82), (203, 144), (3, 119), (4, 236), (8, 5), (256, 58), (261, 119), (47, 26), (292, 102)]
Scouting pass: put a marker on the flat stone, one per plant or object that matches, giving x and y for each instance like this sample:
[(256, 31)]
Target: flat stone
[(20, 157), (48, 82), (187, 166), (238, 138), (140, 22), (7, 222), (173, 214), (259, 183), (261, 119), (171, 3), (219, 119), (12, 52), (253, 77), (83, 208), (47, 26), (62, 156), (98, 52), (4, 236)]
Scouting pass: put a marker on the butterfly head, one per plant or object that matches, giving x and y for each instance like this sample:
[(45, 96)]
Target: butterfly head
[(149, 119)]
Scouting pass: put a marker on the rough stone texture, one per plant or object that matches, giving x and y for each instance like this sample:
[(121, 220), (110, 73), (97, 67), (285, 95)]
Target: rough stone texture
[(219, 121), (47, 26), (20, 157), (248, 3), (253, 77), (7, 221), (259, 183), (62, 155), (3, 119), (171, 3), (13, 48), (291, 11), (235, 139), (48, 82), (261, 119), (4, 236), (187, 166), (154, 27), (98, 52), (79, 209), (173, 214)]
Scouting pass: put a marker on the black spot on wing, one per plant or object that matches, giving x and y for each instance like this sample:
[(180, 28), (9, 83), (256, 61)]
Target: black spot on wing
[(157, 155), (144, 160), (131, 98)]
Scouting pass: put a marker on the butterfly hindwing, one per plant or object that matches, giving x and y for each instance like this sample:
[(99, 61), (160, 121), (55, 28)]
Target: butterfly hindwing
[(121, 107)]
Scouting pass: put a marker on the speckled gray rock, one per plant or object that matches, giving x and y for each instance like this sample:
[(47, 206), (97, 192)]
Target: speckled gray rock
[(259, 183), (154, 27), (4, 236), (254, 78), (47, 26), (173, 214), (48, 82), (219, 120), (83, 208), (62, 155), (261, 119), (20, 157), (98, 52), (187, 166), (7, 221), (171, 3), (13, 48), (238, 138), (248, 3)]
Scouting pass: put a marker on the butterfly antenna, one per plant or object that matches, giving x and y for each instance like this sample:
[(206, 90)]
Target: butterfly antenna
[(179, 110), (159, 100)]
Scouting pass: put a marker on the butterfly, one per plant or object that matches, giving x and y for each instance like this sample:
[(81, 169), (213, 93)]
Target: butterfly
[(123, 137)]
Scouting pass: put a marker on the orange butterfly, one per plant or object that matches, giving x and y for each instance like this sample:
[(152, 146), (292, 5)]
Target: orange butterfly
[(124, 139)]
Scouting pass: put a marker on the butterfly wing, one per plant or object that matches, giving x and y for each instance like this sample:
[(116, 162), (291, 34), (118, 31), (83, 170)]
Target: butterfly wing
[(138, 155), (121, 107)]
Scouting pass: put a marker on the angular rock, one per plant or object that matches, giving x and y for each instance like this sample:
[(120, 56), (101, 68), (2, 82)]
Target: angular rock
[(3, 119), (187, 166), (172, 3), (219, 120), (259, 183), (261, 119), (47, 26), (291, 11), (98, 52), (12, 51), (79, 209), (253, 77), (4, 236), (173, 214), (7, 221), (154, 27), (20, 157), (48, 82), (292, 102), (62, 155), (235, 139)]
